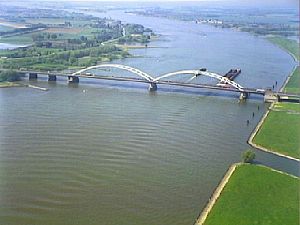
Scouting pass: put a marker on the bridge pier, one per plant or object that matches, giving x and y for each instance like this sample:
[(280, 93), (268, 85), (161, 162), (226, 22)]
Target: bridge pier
[(152, 87), (33, 76), (51, 77), (73, 79), (244, 95), (270, 96)]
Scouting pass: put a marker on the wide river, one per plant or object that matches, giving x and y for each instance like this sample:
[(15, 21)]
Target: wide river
[(109, 153)]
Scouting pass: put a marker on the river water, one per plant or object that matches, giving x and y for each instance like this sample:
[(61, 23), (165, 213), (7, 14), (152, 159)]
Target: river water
[(107, 153), (9, 46)]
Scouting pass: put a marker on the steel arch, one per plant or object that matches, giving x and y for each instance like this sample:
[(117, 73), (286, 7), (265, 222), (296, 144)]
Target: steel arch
[(122, 67), (150, 79), (197, 73)]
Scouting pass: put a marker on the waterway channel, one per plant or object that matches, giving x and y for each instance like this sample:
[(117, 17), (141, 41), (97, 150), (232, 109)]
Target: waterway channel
[(106, 153)]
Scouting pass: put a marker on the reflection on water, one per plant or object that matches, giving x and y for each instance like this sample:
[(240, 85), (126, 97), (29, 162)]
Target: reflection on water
[(9, 46), (115, 155), (101, 154)]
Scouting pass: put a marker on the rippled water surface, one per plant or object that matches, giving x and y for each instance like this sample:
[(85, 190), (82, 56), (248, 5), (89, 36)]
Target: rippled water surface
[(103, 153)]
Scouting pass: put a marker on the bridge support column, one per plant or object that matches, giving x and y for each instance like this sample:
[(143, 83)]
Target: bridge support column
[(270, 97), (73, 79), (51, 77), (33, 76), (244, 95), (152, 87)]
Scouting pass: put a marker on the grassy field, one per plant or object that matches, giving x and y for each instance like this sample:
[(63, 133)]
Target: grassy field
[(293, 86), (256, 195), (293, 108), (290, 46), (63, 33), (24, 39), (280, 131), (45, 20)]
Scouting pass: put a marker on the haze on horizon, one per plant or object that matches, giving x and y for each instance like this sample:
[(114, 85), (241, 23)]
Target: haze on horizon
[(239, 2)]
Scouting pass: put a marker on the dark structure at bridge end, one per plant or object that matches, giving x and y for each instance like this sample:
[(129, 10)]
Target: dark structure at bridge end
[(153, 87), (33, 76), (73, 79), (244, 95), (51, 77)]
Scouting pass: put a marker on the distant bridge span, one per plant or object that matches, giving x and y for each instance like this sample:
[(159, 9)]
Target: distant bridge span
[(153, 80), (226, 83)]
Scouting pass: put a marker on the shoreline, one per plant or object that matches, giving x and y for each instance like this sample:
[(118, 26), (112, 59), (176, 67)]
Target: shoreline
[(218, 191), (261, 148), (8, 84), (283, 49), (260, 123), (288, 78), (136, 46), (216, 194), (258, 126)]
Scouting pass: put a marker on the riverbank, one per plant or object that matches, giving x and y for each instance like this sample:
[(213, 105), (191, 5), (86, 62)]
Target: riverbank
[(7, 84), (63, 41), (277, 133), (265, 196), (201, 219), (278, 130), (290, 46), (135, 45)]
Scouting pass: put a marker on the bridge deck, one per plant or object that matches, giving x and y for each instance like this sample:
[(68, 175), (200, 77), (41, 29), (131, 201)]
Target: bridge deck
[(173, 83)]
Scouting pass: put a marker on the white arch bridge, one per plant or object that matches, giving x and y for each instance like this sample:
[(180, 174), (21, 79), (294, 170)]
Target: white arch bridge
[(224, 83), (153, 81)]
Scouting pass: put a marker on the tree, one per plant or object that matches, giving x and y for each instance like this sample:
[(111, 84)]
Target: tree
[(248, 156), (72, 60), (53, 36), (10, 75), (37, 37)]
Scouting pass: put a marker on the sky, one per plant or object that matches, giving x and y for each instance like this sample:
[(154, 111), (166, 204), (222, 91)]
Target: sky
[(184, 0), (240, 1), (288, 3), (292, 3), (246, 2)]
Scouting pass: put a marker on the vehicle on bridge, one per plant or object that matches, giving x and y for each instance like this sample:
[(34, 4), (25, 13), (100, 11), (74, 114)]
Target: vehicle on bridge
[(261, 90), (200, 70)]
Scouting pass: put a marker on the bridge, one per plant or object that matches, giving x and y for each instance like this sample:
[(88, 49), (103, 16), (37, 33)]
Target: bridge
[(225, 82)]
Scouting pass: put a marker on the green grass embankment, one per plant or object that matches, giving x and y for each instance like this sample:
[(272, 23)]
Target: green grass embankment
[(291, 46), (280, 131), (257, 195), (22, 39), (293, 85)]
